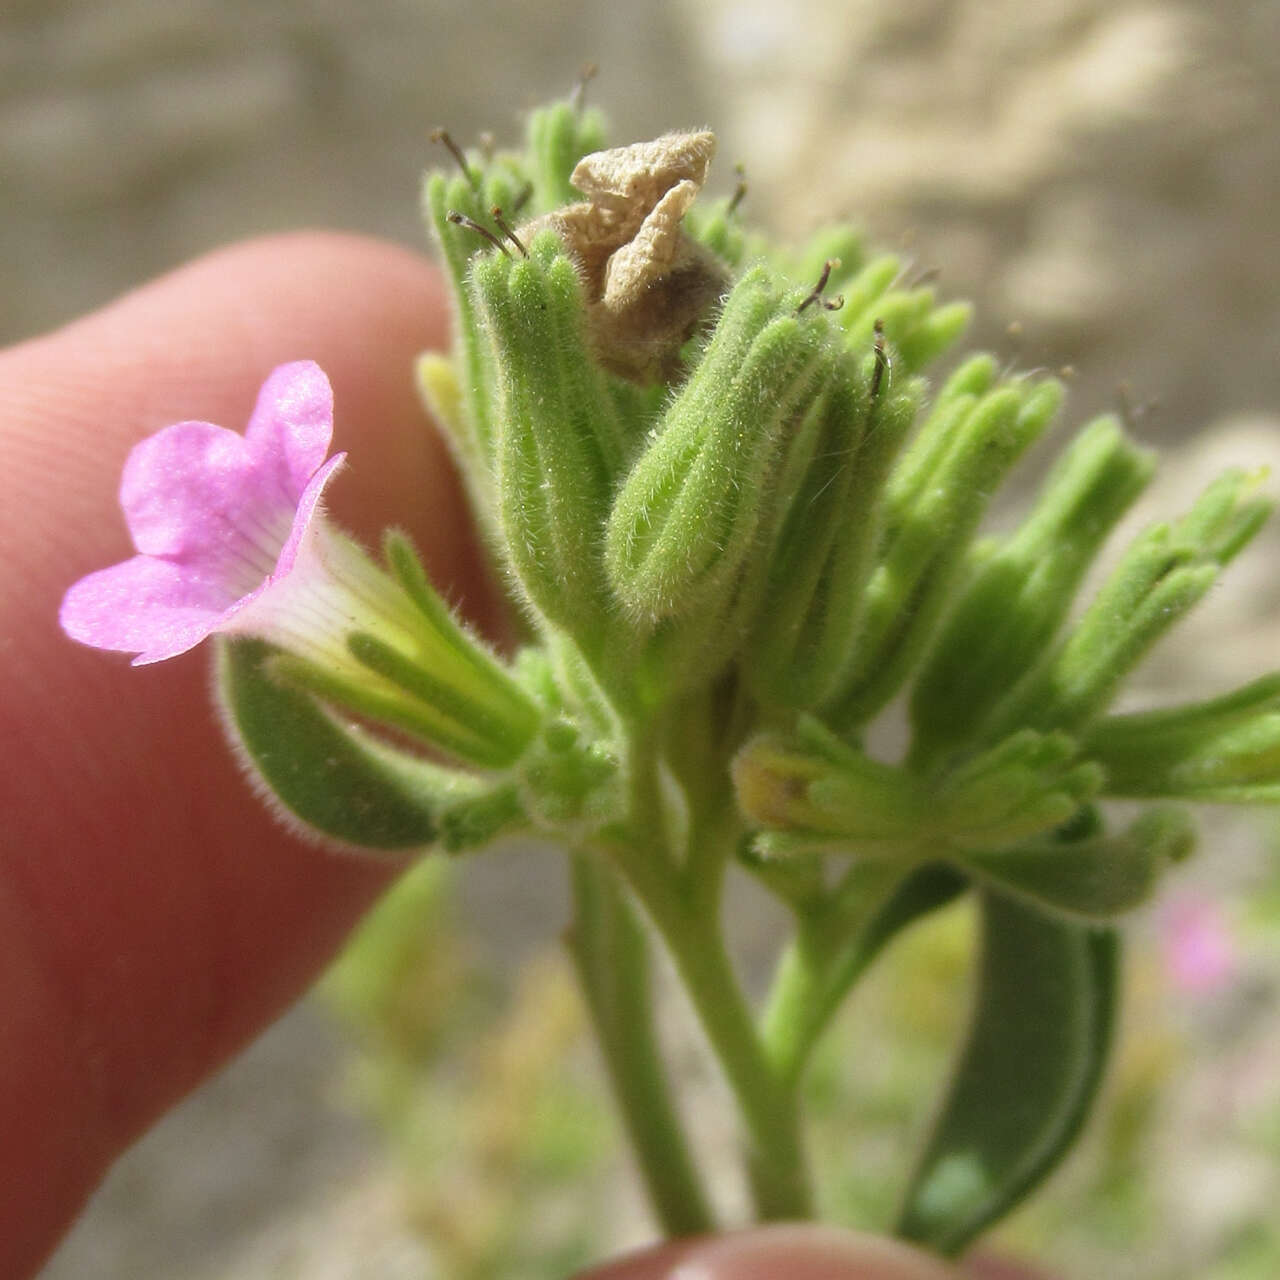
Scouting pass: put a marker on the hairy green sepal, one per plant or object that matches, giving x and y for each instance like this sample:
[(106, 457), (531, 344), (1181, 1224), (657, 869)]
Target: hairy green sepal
[(325, 773)]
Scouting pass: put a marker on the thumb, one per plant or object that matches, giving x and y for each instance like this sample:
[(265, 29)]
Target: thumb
[(797, 1251)]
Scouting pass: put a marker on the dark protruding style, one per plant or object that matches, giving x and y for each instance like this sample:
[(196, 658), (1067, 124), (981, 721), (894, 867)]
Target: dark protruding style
[(461, 220), (815, 295), (882, 361), (445, 139), (496, 214)]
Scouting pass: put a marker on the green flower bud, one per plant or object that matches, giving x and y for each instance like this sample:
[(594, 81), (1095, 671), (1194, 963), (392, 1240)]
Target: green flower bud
[(472, 429), (443, 396), (689, 514), (842, 244), (823, 555), (864, 291), (691, 651), (567, 783), (931, 518), (957, 398), (719, 227), (1021, 592), (911, 322), (812, 791), (559, 447), (1225, 750), (559, 136), (932, 334), (1162, 575)]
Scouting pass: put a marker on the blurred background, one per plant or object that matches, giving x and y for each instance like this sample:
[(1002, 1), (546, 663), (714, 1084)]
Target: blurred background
[(1100, 177)]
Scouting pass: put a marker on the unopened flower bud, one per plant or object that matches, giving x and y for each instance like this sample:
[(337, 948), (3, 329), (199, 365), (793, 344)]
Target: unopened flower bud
[(933, 509), (820, 562), (1022, 590), (1164, 573), (688, 515), (558, 446)]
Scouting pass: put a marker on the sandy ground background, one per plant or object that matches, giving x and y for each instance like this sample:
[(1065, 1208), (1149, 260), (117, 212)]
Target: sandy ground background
[(1104, 174)]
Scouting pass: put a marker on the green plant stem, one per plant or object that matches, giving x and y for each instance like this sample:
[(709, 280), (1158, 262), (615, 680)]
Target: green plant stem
[(611, 954), (693, 935), (820, 965)]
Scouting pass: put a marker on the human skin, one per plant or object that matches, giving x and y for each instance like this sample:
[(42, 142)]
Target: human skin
[(153, 916)]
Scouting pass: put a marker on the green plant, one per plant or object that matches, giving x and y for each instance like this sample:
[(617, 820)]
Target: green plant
[(737, 524)]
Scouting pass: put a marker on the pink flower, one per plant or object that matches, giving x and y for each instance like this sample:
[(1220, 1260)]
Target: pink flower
[(221, 522), (1200, 954)]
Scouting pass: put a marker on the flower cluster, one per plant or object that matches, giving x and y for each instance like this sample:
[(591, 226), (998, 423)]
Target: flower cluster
[(738, 521)]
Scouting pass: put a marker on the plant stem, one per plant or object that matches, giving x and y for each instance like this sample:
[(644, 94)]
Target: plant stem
[(820, 965), (768, 1105), (610, 951), (692, 932)]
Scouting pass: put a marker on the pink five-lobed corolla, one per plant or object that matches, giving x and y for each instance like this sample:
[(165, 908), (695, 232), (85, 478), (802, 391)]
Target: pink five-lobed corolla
[(227, 527)]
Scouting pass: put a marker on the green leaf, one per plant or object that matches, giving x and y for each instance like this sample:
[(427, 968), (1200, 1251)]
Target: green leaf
[(329, 776), (927, 889), (1038, 1042)]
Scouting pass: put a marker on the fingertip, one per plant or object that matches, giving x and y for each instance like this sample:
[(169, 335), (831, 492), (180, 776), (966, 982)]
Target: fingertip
[(157, 917), (796, 1251)]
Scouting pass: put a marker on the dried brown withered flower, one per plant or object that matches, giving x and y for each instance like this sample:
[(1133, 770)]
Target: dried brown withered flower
[(648, 283)]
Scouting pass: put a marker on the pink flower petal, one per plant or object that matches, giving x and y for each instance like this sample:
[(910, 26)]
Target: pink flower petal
[(184, 485), (307, 513), (155, 608), (292, 422)]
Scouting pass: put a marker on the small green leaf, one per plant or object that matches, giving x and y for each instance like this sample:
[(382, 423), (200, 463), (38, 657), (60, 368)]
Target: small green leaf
[(927, 889), (1038, 1042), (326, 775)]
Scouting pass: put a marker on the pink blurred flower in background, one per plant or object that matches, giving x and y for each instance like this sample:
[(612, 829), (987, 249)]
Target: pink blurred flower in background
[(1197, 944)]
